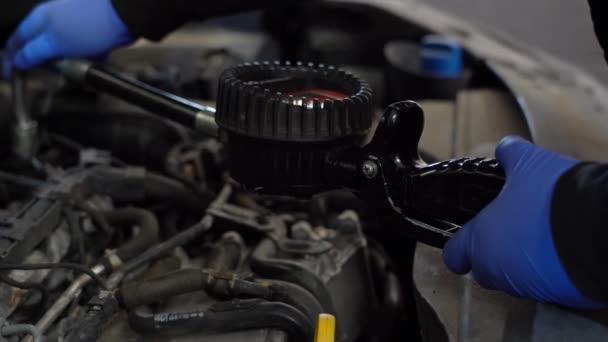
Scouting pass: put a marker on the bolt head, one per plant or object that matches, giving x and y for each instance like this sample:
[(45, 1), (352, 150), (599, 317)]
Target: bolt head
[(370, 169)]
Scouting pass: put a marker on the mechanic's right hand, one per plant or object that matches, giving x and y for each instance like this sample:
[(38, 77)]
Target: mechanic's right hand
[(65, 28), (509, 245)]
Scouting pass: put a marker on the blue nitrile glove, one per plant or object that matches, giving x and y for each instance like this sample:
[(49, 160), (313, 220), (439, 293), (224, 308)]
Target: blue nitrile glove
[(64, 28), (509, 245)]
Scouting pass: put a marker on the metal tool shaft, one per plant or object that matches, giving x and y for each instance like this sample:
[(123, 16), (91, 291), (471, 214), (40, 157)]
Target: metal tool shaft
[(161, 103), (25, 128)]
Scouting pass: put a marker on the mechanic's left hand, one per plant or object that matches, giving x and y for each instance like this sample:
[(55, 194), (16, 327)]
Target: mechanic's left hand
[(65, 28)]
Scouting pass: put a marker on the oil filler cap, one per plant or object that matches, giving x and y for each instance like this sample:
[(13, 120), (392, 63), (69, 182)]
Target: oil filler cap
[(279, 120)]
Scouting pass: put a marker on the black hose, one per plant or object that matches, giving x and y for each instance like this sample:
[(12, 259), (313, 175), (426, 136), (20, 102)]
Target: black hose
[(167, 246), (324, 205), (164, 188), (231, 287), (219, 284), (388, 287), (139, 185), (76, 233), (264, 264), (88, 327), (225, 255), (155, 290), (161, 250), (237, 315), (148, 230), (294, 295), (137, 138), (20, 329), (97, 218)]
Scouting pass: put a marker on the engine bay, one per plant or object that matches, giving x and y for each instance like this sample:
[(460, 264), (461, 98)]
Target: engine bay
[(117, 224)]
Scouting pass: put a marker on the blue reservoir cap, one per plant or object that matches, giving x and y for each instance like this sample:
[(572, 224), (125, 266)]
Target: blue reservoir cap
[(441, 56)]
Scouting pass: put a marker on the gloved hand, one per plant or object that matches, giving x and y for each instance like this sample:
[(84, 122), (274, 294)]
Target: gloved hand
[(65, 28), (509, 245)]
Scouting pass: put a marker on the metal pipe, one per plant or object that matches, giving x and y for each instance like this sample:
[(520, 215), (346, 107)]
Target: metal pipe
[(147, 236), (464, 314), (22, 180), (64, 300), (18, 329), (167, 105), (25, 129), (18, 90)]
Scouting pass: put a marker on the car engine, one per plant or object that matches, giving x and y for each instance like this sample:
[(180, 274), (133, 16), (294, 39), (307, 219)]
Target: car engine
[(117, 224), (124, 196), (92, 182)]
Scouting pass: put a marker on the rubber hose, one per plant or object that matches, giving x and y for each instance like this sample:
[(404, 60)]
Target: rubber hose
[(296, 296), (161, 249), (18, 329), (237, 315), (137, 138), (148, 230), (226, 254), (138, 185), (89, 326), (155, 290), (264, 264), (164, 188)]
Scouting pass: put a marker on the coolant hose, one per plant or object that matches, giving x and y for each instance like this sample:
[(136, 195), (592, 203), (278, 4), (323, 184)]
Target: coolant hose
[(134, 294), (148, 230), (294, 295), (224, 257), (230, 287), (265, 264), (237, 315), (20, 329), (136, 185), (218, 284), (89, 326), (136, 138), (164, 188), (157, 251)]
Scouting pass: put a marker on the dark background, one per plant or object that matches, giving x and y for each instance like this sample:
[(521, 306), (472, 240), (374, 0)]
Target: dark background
[(562, 27)]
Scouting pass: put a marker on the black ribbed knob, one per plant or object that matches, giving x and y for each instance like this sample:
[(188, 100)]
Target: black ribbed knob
[(279, 121), (300, 102)]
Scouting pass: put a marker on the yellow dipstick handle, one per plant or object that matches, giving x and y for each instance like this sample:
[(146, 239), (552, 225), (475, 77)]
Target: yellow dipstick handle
[(326, 328)]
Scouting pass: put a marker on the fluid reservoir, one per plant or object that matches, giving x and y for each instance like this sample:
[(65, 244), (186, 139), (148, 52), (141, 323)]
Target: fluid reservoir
[(440, 56), (433, 68)]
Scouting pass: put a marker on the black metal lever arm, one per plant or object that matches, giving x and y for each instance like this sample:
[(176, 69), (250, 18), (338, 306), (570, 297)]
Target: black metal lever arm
[(428, 203), (454, 190)]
